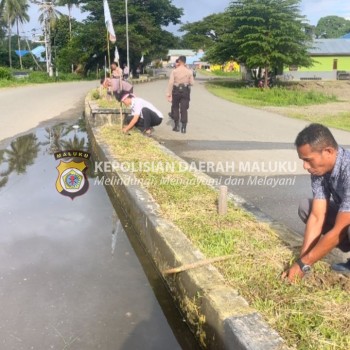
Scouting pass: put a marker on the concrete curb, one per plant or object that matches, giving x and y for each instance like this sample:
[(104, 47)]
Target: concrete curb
[(146, 80), (217, 314)]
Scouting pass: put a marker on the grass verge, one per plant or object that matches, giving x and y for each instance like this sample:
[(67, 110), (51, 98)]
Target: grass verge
[(339, 121), (282, 97), (313, 314), (39, 78), (278, 96)]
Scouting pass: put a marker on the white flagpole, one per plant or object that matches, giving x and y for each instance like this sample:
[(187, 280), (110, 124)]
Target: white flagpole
[(127, 34)]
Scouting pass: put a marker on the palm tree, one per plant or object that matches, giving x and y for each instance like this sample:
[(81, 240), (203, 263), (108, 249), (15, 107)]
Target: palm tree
[(21, 17), (70, 4), (55, 137), (49, 12), (75, 143), (14, 12), (48, 18), (9, 9), (22, 153), (3, 176)]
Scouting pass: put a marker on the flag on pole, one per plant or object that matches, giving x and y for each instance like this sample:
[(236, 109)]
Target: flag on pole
[(141, 60), (108, 21), (116, 54)]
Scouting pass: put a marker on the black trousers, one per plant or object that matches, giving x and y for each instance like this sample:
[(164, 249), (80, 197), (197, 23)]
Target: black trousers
[(304, 213), (180, 104), (148, 120)]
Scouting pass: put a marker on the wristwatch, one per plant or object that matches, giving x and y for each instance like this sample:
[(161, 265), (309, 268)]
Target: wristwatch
[(305, 268)]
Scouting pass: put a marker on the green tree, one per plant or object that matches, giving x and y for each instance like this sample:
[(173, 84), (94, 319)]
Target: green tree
[(54, 136), (70, 4), (310, 30), (332, 27), (205, 33), (146, 34), (61, 42), (75, 143), (21, 154), (48, 17), (48, 12), (3, 176), (9, 10), (2, 21), (21, 16), (14, 12), (85, 49), (60, 32), (266, 34)]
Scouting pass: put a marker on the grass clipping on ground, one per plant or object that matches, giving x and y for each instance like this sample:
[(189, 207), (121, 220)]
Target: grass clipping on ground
[(312, 314)]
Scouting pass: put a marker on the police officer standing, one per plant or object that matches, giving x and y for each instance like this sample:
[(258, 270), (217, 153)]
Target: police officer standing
[(179, 90)]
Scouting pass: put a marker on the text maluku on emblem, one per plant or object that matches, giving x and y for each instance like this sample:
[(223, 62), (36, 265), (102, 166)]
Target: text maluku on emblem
[(72, 180)]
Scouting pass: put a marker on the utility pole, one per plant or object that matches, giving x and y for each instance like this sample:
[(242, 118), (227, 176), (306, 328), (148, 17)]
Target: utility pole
[(46, 39), (127, 35), (48, 8)]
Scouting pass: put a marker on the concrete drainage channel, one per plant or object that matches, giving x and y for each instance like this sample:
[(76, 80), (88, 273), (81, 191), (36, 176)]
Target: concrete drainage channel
[(217, 314)]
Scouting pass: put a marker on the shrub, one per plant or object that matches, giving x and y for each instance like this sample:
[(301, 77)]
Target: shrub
[(5, 73), (40, 77), (95, 95)]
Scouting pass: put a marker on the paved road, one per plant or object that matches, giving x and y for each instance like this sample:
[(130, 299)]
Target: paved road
[(257, 143), (23, 108)]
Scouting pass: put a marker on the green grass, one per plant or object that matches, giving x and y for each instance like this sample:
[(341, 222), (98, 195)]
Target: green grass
[(103, 100), (277, 96), (38, 78), (281, 97), (339, 121), (313, 314)]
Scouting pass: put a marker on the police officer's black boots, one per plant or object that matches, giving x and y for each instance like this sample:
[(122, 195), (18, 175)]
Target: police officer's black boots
[(183, 128), (176, 127)]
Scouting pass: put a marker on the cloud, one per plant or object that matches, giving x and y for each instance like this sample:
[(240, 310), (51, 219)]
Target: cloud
[(196, 10), (316, 9)]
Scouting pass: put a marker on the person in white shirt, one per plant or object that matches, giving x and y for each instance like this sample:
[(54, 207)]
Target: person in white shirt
[(143, 114), (125, 72)]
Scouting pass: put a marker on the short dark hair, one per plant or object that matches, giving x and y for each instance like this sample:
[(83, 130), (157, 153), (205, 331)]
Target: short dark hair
[(317, 136), (182, 59)]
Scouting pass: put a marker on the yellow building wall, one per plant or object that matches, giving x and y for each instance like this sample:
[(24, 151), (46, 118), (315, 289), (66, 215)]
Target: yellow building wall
[(230, 66)]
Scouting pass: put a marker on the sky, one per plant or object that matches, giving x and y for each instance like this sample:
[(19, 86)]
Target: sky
[(195, 10)]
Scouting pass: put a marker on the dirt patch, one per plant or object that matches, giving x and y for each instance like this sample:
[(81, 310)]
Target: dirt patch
[(329, 280), (340, 89)]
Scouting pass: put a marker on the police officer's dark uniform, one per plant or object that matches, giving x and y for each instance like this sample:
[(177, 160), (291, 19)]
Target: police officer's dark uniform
[(179, 90)]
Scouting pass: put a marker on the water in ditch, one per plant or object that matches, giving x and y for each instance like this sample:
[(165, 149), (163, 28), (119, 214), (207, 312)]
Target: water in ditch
[(70, 278)]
